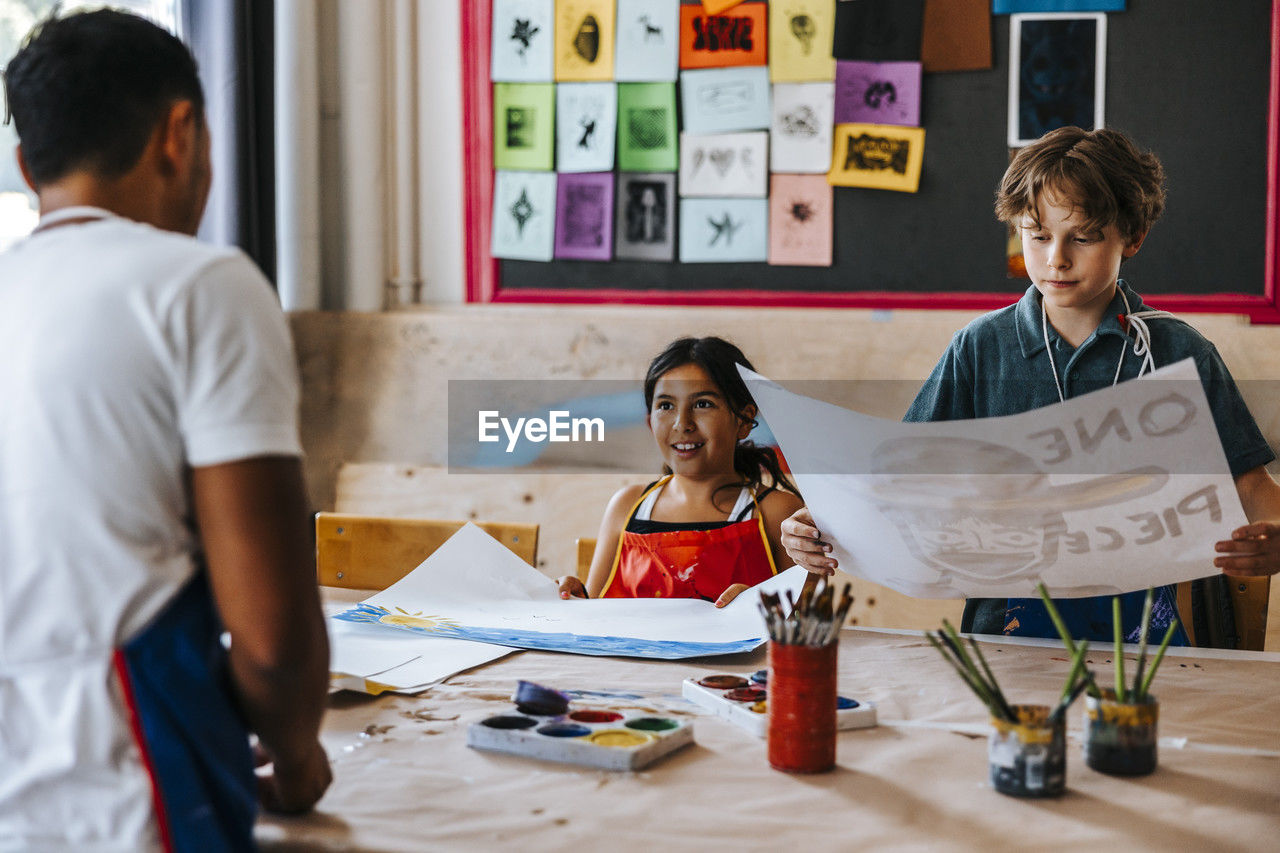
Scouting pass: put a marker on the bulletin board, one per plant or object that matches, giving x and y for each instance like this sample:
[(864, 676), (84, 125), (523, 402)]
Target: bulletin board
[(1197, 81)]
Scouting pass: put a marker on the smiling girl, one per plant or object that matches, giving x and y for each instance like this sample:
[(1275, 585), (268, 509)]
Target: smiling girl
[(709, 528)]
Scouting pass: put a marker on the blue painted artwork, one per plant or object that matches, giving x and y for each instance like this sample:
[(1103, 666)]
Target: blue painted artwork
[(549, 642)]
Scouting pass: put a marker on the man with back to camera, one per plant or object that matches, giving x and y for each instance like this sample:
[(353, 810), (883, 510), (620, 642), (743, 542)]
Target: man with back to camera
[(151, 492)]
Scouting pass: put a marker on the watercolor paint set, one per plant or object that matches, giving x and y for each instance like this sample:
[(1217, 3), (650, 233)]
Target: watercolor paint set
[(746, 702), (544, 724)]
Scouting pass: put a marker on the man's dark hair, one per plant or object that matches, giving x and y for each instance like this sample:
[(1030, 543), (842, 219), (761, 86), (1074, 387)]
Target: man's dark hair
[(85, 91)]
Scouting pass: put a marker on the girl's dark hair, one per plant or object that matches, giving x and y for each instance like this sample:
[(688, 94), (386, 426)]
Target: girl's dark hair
[(718, 358), (86, 90)]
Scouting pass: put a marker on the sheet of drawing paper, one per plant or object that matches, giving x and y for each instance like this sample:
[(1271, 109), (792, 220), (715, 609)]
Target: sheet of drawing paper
[(877, 156), (801, 129), (1006, 7), (399, 659), (737, 36), (724, 100), (473, 588), (586, 124), (584, 216), (648, 41), (957, 35), (724, 230), (524, 215), (584, 40), (524, 126), (878, 30), (523, 32), (1057, 74), (800, 37), (1106, 493), (877, 93), (645, 218), (647, 138), (724, 165), (800, 220)]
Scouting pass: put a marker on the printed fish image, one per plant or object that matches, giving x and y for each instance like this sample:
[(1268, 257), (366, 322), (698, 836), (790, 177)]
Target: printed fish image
[(523, 31), (522, 211), (725, 228), (587, 41), (725, 98), (877, 153), (803, 28)]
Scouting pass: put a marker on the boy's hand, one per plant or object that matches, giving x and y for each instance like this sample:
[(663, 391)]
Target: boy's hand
[(1252, 550), (805, 544), (571, 587), (731, 593)]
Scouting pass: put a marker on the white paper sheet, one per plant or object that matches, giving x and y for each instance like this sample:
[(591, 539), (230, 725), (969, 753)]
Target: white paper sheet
[(473, 588), (399, 659), (1109, 492)]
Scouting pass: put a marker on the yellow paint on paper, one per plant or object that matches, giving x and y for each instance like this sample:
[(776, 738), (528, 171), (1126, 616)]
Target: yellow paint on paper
[(584, 39), (800, 36), (877, 156)]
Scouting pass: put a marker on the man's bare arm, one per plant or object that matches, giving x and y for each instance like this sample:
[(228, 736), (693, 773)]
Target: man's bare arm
[(253, 521)]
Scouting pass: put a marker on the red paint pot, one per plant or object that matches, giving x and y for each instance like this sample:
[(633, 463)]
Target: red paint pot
[(746, 694), (802, 708), (595, 716)]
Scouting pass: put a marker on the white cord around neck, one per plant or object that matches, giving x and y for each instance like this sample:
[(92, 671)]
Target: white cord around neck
[(1141, 344)]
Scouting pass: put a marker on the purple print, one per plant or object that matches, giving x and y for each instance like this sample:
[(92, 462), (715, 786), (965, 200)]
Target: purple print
[(584, 216), (878, 93)]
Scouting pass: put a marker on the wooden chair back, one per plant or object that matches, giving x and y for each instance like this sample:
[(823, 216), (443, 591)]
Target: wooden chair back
[(1249, 599), (373, 552), (586, 548)]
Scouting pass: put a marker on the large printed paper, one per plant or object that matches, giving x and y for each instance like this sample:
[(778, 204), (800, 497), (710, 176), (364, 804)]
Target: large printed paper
[(724, 165), (522, 35), (722, 100), (724, 230), (584, 216), (648, 40), (1057, 74), (647, 127), (736, 36), (586, 121), (645, 218), (800, 220), (524, 215), (473, 588), (800, 34), (1109, 492), (877, 156), (802, 125), (524, 126), (371, 659), (584, 39)]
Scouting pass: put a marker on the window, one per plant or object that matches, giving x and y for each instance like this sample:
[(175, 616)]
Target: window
[(17, 17)]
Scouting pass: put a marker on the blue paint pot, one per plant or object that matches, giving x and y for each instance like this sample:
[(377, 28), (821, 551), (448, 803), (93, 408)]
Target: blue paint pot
[(540, 701), (564, 730), (843, 703), (760, 676)]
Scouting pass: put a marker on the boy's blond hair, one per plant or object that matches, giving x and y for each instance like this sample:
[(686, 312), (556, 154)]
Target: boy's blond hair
[(1101, 172)]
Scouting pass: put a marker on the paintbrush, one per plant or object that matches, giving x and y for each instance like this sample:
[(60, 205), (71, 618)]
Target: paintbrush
[(1065, 703), (1155, 662), (1117, 634), (1061, 627), (1142, 641)]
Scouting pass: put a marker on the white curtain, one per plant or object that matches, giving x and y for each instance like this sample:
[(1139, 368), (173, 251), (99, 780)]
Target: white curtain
[(368, 153)]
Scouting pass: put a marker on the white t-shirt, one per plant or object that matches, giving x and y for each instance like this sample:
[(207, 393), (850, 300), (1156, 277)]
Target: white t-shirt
[(127, 354)]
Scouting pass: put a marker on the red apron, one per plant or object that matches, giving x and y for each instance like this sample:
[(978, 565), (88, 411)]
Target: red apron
[(689, 563)]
